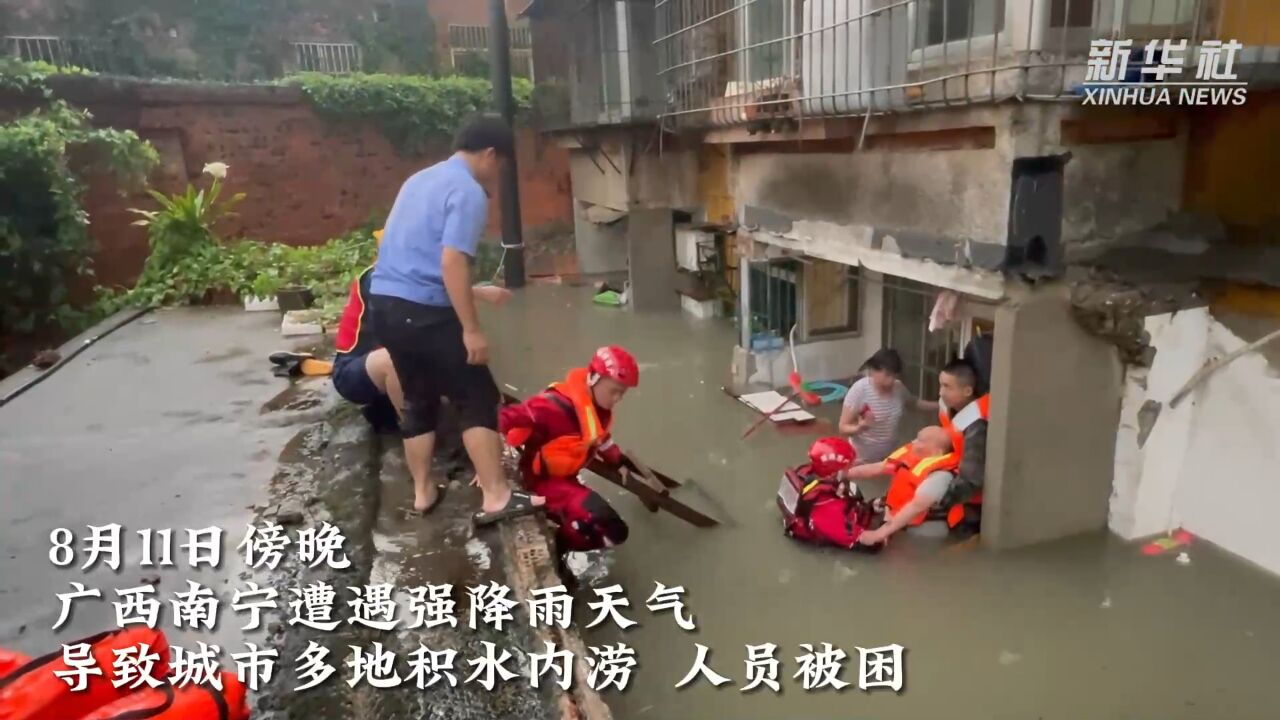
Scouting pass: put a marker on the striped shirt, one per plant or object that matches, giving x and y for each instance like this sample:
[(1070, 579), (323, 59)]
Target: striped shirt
[(879, 437)]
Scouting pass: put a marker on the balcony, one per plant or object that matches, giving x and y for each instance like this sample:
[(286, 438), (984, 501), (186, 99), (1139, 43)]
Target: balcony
[(728, 62), (600, 66)]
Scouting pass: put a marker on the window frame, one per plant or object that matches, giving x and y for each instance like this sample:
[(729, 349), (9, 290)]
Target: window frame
[(853, 298)]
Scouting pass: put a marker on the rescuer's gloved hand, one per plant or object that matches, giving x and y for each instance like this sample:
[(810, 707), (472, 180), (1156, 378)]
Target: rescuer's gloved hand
[(609, 452)]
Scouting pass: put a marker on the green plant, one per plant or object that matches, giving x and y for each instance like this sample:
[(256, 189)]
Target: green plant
[(185, 261), (411, 111), (399, 36), (44, 241)]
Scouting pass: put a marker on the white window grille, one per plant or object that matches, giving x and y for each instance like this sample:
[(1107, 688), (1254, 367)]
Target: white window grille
[(40, 48), (472, 41), (334, 58)]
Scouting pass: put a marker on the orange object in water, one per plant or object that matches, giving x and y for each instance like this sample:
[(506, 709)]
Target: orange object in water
[(189, 702), (33, 692), (797, 386), (10, 661)]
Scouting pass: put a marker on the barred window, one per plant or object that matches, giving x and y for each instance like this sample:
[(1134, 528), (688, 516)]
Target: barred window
[(335, 58)]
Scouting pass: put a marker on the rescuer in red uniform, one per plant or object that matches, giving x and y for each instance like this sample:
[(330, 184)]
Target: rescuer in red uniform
[(558, 431)]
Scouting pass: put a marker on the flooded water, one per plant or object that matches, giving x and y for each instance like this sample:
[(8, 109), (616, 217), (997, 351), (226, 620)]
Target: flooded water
[(1087, 627)]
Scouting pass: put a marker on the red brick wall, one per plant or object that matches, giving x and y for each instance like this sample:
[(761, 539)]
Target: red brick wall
[(305, 181)]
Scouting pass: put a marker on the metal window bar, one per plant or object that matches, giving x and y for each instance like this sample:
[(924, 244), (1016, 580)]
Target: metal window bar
[(58, 51), (907, 305), (857, 57), (773, 305), (47, 49), (476, 37), (333, 58)]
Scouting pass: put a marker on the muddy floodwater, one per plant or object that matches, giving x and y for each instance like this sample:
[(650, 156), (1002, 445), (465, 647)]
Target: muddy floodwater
[(1083, 628)]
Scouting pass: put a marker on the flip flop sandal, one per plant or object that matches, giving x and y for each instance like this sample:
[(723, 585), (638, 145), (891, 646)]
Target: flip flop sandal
[(284, 356), (521, 503), (440, 491)]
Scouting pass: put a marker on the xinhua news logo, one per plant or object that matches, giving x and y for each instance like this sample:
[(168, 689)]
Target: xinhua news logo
[(1119, 74)]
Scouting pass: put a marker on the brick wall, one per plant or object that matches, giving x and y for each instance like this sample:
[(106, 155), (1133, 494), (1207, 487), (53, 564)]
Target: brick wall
[(305, 180)]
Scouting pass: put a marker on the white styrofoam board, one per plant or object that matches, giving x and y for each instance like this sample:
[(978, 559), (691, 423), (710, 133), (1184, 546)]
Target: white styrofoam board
[(768, 401), (257, 304)]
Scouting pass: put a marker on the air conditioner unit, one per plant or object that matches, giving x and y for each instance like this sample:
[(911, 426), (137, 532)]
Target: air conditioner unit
[(850, 48)]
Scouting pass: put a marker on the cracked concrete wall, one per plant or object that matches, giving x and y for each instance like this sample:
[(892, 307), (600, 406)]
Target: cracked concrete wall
[(1207, 465), (1054, 408)]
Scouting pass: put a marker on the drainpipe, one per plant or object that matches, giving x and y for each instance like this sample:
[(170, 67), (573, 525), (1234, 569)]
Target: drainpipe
[(504, 104)]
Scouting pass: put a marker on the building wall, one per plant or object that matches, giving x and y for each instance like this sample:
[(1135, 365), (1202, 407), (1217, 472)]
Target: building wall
[(305, 180), (1231, 165), (1205, 466)]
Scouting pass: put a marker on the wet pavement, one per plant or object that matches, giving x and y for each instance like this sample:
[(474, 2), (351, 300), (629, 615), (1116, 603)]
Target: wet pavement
[(1087, 627), (157, 426)]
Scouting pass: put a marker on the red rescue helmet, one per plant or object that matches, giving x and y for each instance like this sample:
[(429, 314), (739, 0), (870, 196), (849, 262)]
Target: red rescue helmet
[(830, 455), (617, 364)]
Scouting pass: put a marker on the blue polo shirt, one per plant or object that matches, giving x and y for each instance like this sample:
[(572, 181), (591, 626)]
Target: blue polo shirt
[(441, 206)]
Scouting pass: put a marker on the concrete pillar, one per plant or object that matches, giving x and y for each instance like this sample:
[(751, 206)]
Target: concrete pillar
[(651, 249), (1055, 403)]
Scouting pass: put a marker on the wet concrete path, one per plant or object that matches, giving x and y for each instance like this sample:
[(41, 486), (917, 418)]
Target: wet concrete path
[(1082, 628), (158, 426)]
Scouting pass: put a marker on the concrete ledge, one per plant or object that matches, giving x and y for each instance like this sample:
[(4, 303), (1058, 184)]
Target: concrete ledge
[(530, 563)]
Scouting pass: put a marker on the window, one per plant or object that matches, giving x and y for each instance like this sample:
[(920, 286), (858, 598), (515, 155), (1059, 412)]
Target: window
[(766, 29), (942, 21), (772, 302), (907, 305), (469, 50), (832, 299), (336, 58)]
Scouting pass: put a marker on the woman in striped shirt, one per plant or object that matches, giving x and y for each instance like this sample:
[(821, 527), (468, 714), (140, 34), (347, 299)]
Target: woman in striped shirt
[(873, 407)]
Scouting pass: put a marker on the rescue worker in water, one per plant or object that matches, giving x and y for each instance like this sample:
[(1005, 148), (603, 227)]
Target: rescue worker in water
[(559, 431), (817, 504)]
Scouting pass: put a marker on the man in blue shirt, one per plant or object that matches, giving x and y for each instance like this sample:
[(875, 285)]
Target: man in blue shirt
[(424, 314)]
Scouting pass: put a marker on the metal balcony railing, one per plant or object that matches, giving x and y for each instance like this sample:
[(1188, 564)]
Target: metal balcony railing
[(736, 61)]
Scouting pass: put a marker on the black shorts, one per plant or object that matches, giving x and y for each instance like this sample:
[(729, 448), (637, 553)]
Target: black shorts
[(351, 380), (425, 344)]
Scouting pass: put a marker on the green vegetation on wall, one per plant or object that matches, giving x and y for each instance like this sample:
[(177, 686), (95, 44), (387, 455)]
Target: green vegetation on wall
[(44, 240), (412, 111), (243, 40)]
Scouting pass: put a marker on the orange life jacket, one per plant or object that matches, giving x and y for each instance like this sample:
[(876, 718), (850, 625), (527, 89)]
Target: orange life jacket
[(566, 455), (979, 409), (33, 692), (188, 702), (911, 470)]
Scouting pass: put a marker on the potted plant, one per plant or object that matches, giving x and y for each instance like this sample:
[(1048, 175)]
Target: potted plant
[(295, 297)]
